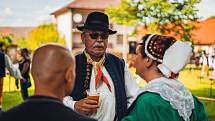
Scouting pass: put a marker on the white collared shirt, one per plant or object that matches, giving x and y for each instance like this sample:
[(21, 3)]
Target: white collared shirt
[(11, 68), (107, 110)]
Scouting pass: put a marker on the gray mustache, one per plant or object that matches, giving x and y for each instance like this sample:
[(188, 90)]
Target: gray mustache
[(98, 46)]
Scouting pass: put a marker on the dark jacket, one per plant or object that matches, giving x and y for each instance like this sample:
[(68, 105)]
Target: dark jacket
[(115, 67), (41, 108), (2, 64)]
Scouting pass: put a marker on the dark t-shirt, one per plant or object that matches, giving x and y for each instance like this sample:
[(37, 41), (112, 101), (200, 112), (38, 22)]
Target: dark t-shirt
[(21, 65)]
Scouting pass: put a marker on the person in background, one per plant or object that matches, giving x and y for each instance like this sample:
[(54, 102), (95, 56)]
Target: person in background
[(164, 98), (213, 67), (205, 66), (5, 62), (24, 67), (52, 83)]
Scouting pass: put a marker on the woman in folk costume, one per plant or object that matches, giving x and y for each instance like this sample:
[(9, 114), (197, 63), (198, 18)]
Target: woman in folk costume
[(164, 98)]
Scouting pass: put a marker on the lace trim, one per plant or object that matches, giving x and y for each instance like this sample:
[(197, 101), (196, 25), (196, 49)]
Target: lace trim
[(173, 91)]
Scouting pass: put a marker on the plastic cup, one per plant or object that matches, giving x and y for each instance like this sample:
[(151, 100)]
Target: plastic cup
[(93, 96)]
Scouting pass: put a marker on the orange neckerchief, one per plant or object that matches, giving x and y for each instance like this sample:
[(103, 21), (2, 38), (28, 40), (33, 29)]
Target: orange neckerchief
[(99, 76)]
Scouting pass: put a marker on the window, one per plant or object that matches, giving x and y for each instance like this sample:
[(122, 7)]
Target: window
[(120, 39)]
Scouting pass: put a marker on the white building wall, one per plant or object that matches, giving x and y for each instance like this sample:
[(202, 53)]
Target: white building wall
[(125, 31), (64, 27), (206, 48)]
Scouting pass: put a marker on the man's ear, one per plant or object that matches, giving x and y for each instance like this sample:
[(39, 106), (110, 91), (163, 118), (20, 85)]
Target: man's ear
[(83, 38), (68, 75), (69, 84)]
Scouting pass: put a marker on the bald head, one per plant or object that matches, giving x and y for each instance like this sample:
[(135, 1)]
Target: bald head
[(52, 67)]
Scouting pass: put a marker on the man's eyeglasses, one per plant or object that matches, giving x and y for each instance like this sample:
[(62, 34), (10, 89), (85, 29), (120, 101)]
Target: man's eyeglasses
[(95, 35)]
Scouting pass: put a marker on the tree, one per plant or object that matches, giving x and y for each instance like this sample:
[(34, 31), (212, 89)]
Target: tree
[(173, 17), (43, 34), (5, 41), (21, 42), (211, 17), (123, 14)]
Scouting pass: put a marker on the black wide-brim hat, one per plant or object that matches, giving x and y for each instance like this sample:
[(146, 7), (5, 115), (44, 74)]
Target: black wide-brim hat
[(97, 21)]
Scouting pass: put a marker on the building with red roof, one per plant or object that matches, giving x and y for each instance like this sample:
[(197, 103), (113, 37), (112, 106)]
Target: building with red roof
[(15, 32), (203, 35)]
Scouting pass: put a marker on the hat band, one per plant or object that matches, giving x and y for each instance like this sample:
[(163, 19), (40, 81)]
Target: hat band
[(96, 23)]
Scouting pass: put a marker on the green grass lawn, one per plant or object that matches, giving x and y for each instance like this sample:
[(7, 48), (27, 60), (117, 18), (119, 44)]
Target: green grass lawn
[(11, 99), (190, 78)]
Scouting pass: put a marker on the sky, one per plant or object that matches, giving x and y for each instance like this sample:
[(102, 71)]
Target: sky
[(35, 12)]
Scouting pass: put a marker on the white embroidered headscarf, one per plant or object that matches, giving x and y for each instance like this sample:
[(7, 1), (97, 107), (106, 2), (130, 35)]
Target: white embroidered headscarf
[(175, 58)]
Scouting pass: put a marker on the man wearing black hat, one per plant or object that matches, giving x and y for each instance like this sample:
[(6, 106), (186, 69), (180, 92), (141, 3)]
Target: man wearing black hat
[(100, 73)]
